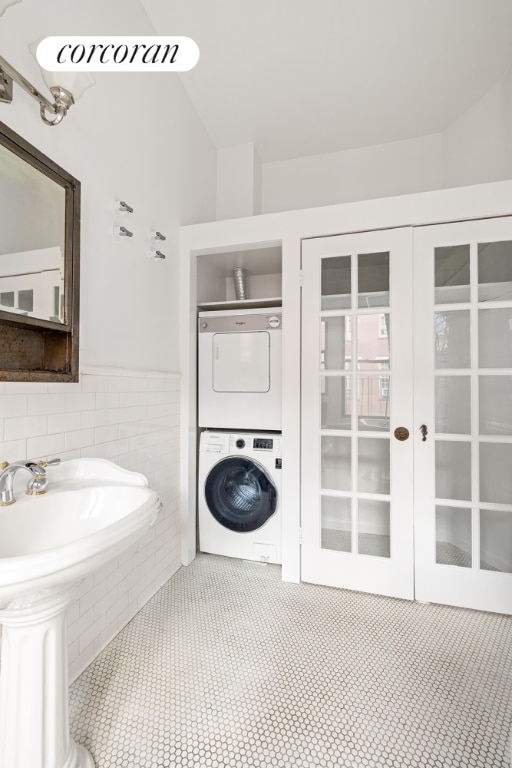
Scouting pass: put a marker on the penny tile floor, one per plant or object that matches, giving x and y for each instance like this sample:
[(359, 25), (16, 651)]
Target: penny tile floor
[(228, 666)]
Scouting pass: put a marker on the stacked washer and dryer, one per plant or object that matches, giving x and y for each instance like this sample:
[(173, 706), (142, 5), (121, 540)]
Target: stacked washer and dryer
[(239, 409)]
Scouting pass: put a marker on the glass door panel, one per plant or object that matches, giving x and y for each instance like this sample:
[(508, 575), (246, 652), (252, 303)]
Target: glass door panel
[(495, 393), (453, 536), (336, 462), (495, 538), (495, 271), (451, 274), (356, 296), (453, 404), (336, 523), (452, 338), (495, 337), (463, 394), (373, 279), (336, 279), (336, 343)]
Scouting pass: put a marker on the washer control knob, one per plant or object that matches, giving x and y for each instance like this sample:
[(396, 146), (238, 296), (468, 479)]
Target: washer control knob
[(274, 321), (204, 324), (240, 443)]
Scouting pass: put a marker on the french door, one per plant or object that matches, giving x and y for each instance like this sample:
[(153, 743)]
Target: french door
[(357, 477), (463, 392), (407, 413)]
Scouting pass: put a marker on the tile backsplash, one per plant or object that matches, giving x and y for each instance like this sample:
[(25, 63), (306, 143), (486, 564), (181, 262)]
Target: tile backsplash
[(132, 419)]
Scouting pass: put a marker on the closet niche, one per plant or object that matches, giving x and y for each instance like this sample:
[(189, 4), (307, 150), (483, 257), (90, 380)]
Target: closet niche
[(262, 277)]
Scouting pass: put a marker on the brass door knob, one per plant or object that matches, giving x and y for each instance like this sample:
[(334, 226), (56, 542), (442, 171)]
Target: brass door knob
[(401, 433)]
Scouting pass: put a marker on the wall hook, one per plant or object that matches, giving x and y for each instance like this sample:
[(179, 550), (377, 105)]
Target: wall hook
[(122, 233), (157, 236), (121, 207), (158, 255)]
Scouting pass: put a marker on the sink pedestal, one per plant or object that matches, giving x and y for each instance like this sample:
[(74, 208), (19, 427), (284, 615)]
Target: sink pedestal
[(34, 718)]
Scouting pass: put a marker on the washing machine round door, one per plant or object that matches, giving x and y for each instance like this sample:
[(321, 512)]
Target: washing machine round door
[(240, 494)]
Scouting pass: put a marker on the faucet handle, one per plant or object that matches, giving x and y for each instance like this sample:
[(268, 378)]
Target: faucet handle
[(49, 463), (4, 465)]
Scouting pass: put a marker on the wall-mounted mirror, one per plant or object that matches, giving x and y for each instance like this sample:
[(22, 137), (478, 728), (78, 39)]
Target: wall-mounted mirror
[(39, 265)]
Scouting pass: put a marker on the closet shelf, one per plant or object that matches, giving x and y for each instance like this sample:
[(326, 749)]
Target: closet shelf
[(274, 301)]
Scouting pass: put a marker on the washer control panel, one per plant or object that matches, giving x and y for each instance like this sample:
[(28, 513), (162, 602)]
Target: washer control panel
[(263, 443)]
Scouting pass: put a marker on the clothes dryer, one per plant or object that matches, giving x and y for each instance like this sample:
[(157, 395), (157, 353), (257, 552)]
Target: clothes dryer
[(239, 369), (239, 495)]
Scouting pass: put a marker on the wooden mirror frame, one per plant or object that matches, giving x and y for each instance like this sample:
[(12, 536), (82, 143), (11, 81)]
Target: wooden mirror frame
[(33, 349)]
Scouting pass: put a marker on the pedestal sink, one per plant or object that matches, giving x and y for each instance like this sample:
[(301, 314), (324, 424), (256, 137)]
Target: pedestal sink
[(92, 511)]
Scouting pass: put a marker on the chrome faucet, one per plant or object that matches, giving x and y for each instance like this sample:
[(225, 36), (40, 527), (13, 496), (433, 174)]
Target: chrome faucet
[(37, 484)]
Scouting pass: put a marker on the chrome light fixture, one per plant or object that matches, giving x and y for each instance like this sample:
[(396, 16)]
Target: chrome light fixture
[(65, 87)]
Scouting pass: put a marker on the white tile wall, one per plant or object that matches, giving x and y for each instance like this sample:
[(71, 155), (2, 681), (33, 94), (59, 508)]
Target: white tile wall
[(130, 418)]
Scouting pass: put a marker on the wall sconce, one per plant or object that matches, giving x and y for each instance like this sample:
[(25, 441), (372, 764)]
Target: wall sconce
[(65, 87)]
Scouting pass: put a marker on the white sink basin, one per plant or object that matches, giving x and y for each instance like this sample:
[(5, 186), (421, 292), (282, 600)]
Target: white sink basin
[(92, 510)]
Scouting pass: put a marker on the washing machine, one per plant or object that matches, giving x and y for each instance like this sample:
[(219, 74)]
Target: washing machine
[(239, 495), (239, 369)]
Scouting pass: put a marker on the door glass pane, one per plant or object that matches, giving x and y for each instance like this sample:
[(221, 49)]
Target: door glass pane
[(336, 463), (453, 536), (451, 274), (373, 465), (336, 523), (373, 403), (453, 404), (373, 279), (495, 405), (453, 470), (495, 338), (336, 402), (495, 271), (373, 342), (496, 473), (336, 282), (451, 333), (336, 341), (495, 540), (373, 528)]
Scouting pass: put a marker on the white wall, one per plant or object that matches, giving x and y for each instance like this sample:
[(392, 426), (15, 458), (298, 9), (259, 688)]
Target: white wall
[(134, 137), (474, 149), (477, 147), (238, 182), (357, 174)]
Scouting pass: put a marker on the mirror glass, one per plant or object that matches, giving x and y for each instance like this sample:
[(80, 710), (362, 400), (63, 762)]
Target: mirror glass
[(32, 240)]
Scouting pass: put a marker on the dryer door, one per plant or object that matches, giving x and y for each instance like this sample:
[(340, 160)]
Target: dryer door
[(240, 494), (241, 362)]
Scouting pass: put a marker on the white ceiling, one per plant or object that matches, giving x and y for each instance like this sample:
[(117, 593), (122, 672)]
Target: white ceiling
[(303, 77)]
